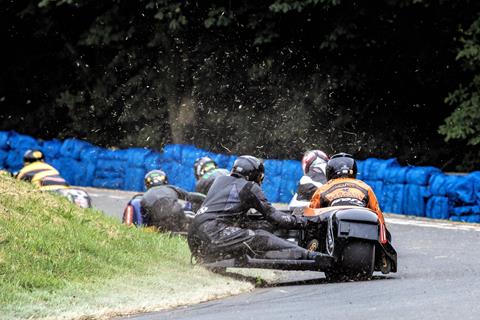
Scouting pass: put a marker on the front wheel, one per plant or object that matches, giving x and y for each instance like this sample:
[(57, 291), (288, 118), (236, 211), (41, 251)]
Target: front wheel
[(355, 262)]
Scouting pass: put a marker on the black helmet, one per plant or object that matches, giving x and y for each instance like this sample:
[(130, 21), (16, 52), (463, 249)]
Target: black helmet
[(203, 165), (250, 168), (341, 165), (33, 156), (155, 178)]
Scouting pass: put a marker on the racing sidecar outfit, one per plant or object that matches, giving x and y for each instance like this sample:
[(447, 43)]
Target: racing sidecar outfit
[(42, 175), (220, 227), (205, 182), (346, 191), (160, 207)]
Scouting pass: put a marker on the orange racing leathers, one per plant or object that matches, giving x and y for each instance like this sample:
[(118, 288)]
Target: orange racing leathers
[(346, 191)]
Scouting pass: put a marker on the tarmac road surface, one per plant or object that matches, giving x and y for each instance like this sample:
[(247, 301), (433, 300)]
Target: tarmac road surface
[(438, 278)]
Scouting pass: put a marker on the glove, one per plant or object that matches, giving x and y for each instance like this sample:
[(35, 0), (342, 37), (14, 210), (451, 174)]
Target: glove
[(302, 222)]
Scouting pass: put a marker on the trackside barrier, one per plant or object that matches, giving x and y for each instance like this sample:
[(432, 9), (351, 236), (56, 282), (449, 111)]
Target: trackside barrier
[(419, 191)]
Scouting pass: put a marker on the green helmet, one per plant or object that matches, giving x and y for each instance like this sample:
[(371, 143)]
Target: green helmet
[(155, 178)]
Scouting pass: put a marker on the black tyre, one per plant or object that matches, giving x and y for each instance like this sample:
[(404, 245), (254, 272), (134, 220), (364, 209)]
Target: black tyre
[(356, 262)]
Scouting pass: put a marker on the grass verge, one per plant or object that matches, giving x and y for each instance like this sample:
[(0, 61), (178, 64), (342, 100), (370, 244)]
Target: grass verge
[(60, 261)]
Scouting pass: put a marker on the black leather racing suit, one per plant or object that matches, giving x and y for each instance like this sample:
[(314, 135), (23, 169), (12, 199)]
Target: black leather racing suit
[(205, 182), (160, 207), (219, 228)]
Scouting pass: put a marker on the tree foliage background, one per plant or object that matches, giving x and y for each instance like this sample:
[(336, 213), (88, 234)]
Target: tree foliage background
[(395, 78)]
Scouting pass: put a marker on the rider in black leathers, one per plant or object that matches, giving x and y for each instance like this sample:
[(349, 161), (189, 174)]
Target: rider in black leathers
[(220, 227), (206, 171), (160, 206)]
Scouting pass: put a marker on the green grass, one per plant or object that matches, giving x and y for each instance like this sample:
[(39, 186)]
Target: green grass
[(57, 260)]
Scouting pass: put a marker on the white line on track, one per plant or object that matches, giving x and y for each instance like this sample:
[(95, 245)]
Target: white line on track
[(434, 224), (97, 195)]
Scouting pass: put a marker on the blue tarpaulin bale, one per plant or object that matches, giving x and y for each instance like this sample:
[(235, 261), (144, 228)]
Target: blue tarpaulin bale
[(273, 179), (91, 154), (22, 142), (223, 161), (393, 198), (288, 187), (154, 161), (395, 175), (462, 190), (291, 174), (466, 210), (377, 187), (3, 159), (273, 176), (117, 155), (86, 179), (471, 219), (134, 179), (171, 169), (367, 165), (361, 169), (111, 165), (182, 176), (70, 169), (231, 161), (440, 184), (51, 148), (475, 176), (14, 161), (72, 148), (4, 136), (421, 175), (136, 157), (173, 151), (415, 199), (190, 154), (273, 168), (438, 208), (375, 169), (271, 187)]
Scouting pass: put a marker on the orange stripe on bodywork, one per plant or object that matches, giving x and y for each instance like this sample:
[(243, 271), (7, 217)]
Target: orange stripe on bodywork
[(383, 233), (128, 215)]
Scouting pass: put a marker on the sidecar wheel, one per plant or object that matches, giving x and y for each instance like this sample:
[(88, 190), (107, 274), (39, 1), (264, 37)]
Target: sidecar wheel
[(356, 262)]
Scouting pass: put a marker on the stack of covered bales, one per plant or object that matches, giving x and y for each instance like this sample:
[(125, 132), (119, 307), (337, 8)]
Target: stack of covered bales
[(399, 189), (67, 157), (15, 145), (417, 191), (373, 172), (281, 179), (455, 197)]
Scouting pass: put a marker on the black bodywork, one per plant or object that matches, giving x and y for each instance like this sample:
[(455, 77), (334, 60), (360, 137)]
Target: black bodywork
[(349, 237)]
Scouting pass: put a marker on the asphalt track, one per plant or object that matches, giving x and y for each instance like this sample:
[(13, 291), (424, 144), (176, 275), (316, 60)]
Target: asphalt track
[(438, 278)]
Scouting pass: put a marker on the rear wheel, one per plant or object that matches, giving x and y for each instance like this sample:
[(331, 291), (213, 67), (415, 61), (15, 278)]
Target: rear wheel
[(356, 262)]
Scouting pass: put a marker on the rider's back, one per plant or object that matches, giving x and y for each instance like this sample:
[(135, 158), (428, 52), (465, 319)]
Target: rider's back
[(42, 175), (346, 191), (205, 182), (342, 191), (158, 192), (224, 196)]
